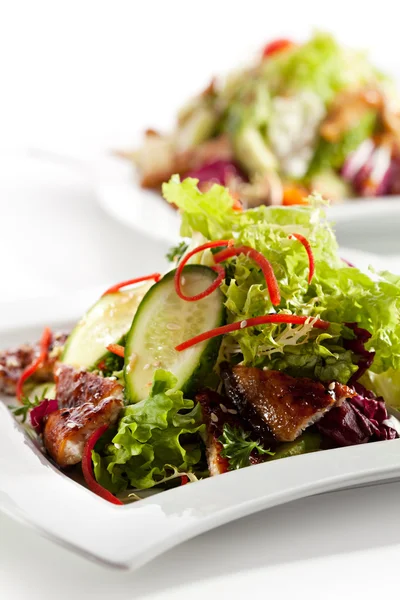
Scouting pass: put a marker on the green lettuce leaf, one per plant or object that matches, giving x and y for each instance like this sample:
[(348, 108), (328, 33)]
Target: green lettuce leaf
[(209, 214), (321, 65), (154, 436), (338, 293)]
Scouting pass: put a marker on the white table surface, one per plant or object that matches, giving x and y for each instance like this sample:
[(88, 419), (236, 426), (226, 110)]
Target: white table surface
[(315, 547), (84, 75)]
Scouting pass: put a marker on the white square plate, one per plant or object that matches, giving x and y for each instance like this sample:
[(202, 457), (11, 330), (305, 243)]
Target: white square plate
[(35, 492)]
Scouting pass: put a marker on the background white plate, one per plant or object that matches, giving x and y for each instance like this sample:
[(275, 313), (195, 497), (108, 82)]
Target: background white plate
[(369, 224)]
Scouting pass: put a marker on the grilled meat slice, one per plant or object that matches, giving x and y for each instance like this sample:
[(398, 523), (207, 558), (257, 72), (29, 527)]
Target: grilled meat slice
[(67, 430), (87, 402), (14, 362), (347, 110), (75, 387), (216, 412), (277, 406)]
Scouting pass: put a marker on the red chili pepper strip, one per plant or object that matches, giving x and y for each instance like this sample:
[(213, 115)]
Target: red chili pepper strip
[(277, 46), (31, 369), (116, 349), (252, 322), (215, 283), (118, 286), (87, 467), (310, 254), (184, 479), (262, 262)]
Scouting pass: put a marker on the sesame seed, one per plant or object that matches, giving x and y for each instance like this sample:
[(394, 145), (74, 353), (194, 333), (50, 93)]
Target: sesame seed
[(223, 408), (214, 418), (133, 360), (173, 326), (183, 281), (70, 424), (232, 411), (156, 364), (118, 446), (331, 386), (146, 366), (243, 324)]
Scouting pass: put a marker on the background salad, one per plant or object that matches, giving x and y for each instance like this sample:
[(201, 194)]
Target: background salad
[(303, 117)]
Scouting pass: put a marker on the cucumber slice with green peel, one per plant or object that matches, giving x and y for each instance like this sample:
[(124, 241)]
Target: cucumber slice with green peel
[(164, 320), (107, 322)]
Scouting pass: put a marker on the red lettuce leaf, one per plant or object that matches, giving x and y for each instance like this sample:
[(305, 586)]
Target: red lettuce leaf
[(39, 412), (218, 171), (357, 420), (357, 346)]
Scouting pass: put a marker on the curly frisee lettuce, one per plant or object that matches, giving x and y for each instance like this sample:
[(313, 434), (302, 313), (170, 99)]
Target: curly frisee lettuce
[(338, 293)]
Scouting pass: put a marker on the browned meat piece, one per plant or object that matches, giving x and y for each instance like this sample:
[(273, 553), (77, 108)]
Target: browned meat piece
[(277, 406), (87, 402), (216, 412), (67, 430), (219, 148), (14, 362), (159, 158), (76, 387), (346, 111)]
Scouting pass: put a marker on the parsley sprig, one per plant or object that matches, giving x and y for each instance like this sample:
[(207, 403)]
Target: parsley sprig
[(176, 252), (237, 447), (22, 410)]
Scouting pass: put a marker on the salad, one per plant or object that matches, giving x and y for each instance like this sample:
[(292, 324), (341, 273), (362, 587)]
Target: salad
[(260, 343), (302, 117)]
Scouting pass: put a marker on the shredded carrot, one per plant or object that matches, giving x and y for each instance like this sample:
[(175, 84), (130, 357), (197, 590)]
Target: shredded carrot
[(118, 286), (237, 205), (116, 349), (87, 467), (32, 368), (309, 251), (252, 322), (219, 269), (294, 195), (262, 262)]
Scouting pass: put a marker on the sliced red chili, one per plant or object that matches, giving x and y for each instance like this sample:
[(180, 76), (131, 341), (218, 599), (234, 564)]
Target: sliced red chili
[(118, 286), (32, 368), (252, 322), (184, 479), (263, 263), (87, 467), (220, 270), (309, 251), (116, 349)]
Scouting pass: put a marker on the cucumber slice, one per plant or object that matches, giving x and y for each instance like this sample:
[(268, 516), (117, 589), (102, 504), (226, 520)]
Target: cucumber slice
[(252, 151), (43, 390), (105, 323), (162, 321)]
